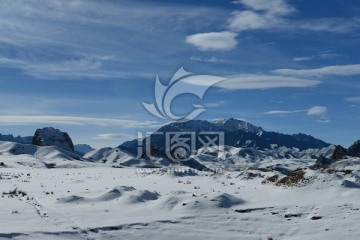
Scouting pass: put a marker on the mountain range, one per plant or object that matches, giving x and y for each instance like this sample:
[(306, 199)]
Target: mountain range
[(242, 142), (237, 133)]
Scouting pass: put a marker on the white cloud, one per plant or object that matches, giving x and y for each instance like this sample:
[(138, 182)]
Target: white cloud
[(213, 41), (261, 14), (249, 20), (317, 111), (72, 120), (341, 70), (275, 14), (253, 81), (270, 14), (353, 99)]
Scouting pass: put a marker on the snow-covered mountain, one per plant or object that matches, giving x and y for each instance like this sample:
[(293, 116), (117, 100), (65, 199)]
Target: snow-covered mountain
[(38, 156), (224, 125), (237, 134), (49, 136), (116, 156)]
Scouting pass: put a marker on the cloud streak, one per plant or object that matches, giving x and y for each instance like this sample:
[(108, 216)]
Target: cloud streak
[(73, 120), (313, 111), (254, 81), (338, 70), (86, 39), (353, 99), (316, 111), (106, 136)]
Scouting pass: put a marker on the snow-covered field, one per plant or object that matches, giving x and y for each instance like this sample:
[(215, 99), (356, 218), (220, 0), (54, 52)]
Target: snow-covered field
[(96, 201)]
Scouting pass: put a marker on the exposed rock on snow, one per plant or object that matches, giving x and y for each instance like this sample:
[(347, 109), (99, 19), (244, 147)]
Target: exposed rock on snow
[(339, 153), (49, 136)]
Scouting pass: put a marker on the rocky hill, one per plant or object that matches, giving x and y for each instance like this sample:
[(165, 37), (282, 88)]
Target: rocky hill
[(49, 136)]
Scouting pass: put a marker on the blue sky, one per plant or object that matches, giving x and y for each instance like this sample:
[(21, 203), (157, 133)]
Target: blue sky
[(86, 66)]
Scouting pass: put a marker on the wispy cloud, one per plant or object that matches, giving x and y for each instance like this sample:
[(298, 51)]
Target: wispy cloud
[(87, 39), (73, 120), (339, 70), (206, 59), (213, 41), (254, 81), (322, 55), (332, 25), (313, 111)]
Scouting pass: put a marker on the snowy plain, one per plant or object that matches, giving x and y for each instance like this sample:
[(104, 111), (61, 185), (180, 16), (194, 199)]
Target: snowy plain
[(85, 200)]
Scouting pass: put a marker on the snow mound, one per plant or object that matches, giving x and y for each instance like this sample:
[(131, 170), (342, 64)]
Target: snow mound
[(226, 200), (142, 196), (115, 193), (71, 199), (349, 184), (116, 156)]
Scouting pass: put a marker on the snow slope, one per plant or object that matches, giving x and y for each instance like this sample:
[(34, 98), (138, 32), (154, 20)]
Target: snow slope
[(20, 155), (116, 156), (99, 202)]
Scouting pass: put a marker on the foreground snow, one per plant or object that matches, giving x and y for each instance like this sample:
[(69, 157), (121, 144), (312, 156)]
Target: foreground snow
[(98, 202)]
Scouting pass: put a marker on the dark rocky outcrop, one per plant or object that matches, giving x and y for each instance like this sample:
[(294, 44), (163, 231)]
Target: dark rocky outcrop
[(354, 150), (339, 153), (49, 136), (323, 162)]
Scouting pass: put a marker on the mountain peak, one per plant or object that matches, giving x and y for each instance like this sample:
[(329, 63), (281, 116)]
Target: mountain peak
[(232, 124), (221, 125)]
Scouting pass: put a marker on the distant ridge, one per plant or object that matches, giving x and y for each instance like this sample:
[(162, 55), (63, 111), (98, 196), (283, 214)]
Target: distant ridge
[(238, 133)]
